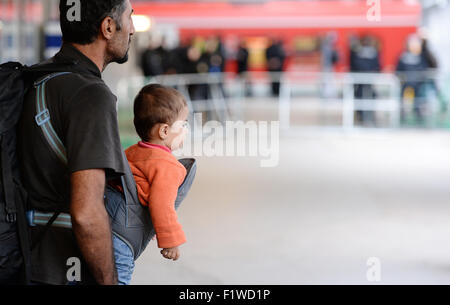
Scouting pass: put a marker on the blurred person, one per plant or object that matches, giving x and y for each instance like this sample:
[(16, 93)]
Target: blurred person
[(242, 57), (152, 58), (181, 53), (223, 52), (193, 55), (172, 62), (365, 58), (71, 185), (428, 56), (160, 119), (215, 53), (275, 56), (411, 67), (215, 63), (329, 57), (214, 50), (329, 54), (432, 63), (202, 91), (242, 66), (197, 63), (170, 59)]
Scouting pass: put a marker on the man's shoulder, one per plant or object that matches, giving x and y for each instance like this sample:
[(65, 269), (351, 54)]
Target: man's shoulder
[(76, 82), (78, 88)]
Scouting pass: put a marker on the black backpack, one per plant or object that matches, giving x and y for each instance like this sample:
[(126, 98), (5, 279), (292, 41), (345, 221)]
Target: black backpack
[(15, 79)]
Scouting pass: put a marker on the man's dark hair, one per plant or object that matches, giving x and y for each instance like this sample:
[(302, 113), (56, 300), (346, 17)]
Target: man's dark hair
[(156, 104), (93, 12)]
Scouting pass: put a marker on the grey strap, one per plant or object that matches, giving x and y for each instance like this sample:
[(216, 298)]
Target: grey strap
[(42, 118)]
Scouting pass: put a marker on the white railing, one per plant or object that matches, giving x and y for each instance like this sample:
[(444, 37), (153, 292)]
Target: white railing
[(342, 85), (229, 105)]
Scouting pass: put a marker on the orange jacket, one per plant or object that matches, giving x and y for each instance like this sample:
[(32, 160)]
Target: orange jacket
[(158, 176)]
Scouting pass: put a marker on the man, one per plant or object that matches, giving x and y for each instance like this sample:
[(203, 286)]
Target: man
[(152, 58), (275, 62), (242, 67), (83, 113), (365, 58), (411, 68)]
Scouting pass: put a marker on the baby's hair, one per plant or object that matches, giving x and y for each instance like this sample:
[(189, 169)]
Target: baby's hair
[(156, 104)]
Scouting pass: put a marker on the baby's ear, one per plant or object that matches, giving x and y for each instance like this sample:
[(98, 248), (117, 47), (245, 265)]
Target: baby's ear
[(163, 131)]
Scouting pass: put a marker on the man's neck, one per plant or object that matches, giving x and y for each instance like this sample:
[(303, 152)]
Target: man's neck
[(92, 52)]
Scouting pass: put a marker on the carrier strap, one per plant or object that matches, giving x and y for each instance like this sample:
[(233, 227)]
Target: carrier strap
[(42, 118), (44, 230), (8, 184)]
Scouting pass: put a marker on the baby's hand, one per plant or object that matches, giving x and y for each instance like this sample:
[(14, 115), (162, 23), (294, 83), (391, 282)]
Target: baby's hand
[(171, 253)]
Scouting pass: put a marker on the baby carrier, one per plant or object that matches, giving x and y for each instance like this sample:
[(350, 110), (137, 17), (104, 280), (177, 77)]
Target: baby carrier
[(130, 220)]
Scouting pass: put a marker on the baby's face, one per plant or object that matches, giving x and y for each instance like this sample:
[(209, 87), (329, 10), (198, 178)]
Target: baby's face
[(178, 130)]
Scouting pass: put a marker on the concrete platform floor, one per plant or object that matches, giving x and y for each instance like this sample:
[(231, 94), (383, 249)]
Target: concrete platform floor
[(336, 199)]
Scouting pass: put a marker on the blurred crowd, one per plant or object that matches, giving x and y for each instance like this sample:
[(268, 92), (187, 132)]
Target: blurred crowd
[(200, 55), (415, 68), (190, 57), (208, 55), (196, 56)]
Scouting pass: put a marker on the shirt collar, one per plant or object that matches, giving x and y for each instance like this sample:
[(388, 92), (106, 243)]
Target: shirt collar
[(69, 52), (150, 145)]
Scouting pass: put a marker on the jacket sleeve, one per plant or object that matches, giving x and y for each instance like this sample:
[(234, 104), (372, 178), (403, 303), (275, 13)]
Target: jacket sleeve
[(161, 201)]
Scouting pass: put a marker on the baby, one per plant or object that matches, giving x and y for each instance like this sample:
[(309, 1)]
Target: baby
[(161, 122)]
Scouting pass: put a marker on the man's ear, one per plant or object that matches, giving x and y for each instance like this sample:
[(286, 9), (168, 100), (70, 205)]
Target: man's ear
[(108, 28)]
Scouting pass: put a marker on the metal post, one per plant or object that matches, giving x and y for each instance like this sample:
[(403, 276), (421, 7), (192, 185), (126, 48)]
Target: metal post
[(396, 100), (284, 111), (348, 104)]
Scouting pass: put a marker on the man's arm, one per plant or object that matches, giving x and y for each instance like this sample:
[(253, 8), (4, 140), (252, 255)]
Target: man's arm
[(91, 225)]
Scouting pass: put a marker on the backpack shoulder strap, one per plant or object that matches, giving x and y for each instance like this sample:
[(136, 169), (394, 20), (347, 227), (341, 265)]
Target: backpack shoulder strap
[(42, 118), (7, 180)]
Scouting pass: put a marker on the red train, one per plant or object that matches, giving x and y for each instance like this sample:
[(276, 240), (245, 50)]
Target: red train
[(298, 24)]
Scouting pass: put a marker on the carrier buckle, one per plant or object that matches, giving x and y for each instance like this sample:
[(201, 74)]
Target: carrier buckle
[(42, 117)]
